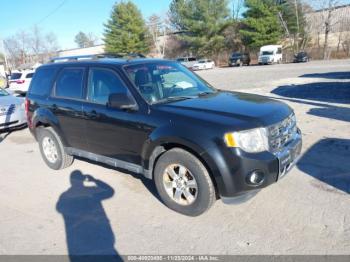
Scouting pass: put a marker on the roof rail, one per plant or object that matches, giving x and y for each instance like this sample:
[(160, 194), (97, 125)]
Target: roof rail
[(128, 56)]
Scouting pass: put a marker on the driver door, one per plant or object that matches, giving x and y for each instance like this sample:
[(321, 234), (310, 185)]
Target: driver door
[(110, 132)]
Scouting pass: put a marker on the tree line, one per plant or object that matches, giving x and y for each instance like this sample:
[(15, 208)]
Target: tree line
[(210, 27), (205, 28)]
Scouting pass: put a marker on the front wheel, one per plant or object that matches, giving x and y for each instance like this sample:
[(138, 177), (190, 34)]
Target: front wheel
[(183, 183)]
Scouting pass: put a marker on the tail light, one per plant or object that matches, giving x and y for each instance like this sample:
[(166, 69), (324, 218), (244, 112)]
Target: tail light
[(20, 82), (26, 109), (26, 105)]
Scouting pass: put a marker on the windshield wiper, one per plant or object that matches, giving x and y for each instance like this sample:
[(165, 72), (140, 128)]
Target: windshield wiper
[(173, 98)]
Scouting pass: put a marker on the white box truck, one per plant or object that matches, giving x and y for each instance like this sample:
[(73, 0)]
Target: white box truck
[(270, 54)]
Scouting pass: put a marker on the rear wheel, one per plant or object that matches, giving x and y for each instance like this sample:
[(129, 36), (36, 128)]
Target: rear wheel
[(52, 150), (183, 183)]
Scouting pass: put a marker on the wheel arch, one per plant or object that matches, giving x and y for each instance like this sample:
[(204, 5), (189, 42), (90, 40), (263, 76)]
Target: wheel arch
[(43, 118), (195, 150)]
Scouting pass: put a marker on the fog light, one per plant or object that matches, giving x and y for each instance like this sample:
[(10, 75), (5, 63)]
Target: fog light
[(256, 178)]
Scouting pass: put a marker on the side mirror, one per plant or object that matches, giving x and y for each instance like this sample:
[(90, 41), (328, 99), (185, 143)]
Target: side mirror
[(121, 101)]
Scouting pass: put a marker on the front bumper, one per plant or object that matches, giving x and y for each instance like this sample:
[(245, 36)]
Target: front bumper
[(234, 62), (237, 165)]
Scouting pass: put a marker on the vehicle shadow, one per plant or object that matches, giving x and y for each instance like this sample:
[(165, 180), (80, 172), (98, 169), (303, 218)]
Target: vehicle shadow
[(328, 161), (336, 92), (329, 75), (333, 112), (89, 234), (322, 93)]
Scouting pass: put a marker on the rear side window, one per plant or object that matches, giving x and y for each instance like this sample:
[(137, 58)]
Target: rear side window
[(69, 84), (30, 75), (42, 81)]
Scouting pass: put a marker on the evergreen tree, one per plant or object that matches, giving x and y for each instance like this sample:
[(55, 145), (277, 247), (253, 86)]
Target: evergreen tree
[(261, 25), (125, 31), (202, 23)]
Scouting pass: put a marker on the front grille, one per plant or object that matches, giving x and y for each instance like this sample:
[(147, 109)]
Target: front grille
[(282, 133)]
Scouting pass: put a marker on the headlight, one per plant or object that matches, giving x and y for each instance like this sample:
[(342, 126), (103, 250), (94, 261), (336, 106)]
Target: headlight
[(251, 141)]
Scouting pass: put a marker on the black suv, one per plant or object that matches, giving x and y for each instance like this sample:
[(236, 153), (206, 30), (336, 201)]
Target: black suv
[(301, 57), (158, 119), (239, 59)]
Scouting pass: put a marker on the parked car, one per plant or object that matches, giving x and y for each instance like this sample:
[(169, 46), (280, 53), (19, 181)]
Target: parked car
[(189, 62), (158, 119), (20, 81), (270, 54), (239, 59), (12, 113), (204, 64), (301, 57)]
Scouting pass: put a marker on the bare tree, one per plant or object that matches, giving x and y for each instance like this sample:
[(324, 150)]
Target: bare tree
[(36, 41), (237, 7), (17, 47), (328, 21), (30, 47), (158, 29)]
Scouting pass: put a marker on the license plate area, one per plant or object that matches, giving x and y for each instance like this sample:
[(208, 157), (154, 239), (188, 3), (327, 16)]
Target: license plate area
[(289, 158)]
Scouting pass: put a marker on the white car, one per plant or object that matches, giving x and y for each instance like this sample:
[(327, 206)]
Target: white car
[(20, 81), (12, 111), (204, 64), (187, 61)]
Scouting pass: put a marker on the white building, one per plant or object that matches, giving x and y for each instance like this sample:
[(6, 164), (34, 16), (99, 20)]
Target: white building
[(94, 50)]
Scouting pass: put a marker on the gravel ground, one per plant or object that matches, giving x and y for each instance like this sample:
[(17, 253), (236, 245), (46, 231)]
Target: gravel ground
[(305, 213)]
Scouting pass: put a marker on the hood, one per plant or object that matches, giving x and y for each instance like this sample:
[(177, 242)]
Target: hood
[(10, 100), (257, 110)]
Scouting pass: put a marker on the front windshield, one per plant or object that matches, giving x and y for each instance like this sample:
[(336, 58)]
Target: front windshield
[(267, 53), (166, 81), (3, 92), (236, 54)]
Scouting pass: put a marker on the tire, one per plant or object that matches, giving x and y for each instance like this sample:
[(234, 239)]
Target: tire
[(203, 196), (62, 159)]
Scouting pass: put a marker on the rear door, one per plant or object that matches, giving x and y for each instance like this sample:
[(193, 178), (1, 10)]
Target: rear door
[(66, 103)]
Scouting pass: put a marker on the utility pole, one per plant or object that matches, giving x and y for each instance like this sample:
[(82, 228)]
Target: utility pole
[(298, 24)]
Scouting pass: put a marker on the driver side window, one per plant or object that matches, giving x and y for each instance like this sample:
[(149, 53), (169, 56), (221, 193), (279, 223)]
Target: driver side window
[(102, 83)]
